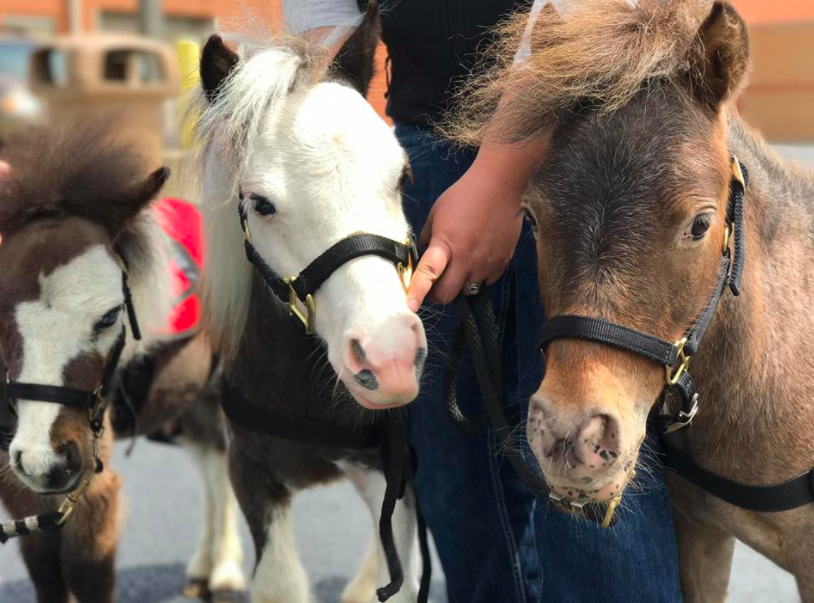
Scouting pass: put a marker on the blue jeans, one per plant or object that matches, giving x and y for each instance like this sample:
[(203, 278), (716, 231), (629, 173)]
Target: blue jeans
[(498, 544)]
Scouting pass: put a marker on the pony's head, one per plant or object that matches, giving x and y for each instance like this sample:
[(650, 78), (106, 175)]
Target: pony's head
[(296, 146), (630, 206), (68, 208)]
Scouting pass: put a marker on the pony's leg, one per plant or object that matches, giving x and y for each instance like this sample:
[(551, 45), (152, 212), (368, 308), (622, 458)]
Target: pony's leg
[(362, 589), (89, 541), (41, 554), (371, 486), (704, 559), (279, 576), (227, 554), (199, 567)]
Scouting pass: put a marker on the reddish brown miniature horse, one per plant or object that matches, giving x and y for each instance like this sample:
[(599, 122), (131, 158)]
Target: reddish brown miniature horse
[(631, 207)]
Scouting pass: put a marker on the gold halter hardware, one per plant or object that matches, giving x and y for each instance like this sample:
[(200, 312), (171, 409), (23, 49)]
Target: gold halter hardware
[(406, 272), (613, 504), (673, 375), (308, 315), (69, 504), (727, 235)]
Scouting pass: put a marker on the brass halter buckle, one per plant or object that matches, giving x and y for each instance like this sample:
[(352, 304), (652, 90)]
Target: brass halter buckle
[(308, 315), (673, 374)]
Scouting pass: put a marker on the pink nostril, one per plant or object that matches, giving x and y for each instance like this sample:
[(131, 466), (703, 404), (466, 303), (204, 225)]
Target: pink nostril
[(598, 441)]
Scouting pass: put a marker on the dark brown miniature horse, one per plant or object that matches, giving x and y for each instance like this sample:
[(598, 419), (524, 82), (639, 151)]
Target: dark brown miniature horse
[(74, 213), (631, 208)]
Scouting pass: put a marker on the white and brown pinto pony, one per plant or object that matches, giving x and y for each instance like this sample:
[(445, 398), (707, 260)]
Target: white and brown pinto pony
[(74, 214), (291, 142)]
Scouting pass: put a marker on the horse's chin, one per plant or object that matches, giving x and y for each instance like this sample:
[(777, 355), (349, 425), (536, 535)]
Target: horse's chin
[(47, 489), (602, 490)]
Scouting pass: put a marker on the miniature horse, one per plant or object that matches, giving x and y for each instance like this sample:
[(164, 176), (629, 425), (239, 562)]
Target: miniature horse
[(74, 213), (292, 151), (632, 204)]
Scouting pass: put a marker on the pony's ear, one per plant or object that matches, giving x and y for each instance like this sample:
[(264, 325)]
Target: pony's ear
[(722, 57), (354, 61), (134, 199), (217, 60)]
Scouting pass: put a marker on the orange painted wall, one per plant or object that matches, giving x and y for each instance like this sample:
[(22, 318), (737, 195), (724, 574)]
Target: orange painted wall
[(761, 12), (234, 12)]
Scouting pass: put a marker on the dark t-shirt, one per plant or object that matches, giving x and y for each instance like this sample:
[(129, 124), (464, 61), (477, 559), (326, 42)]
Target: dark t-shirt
[(433, 46)]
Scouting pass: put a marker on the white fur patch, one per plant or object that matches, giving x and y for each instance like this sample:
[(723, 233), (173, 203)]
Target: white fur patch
[(280, 577), (55, 329)]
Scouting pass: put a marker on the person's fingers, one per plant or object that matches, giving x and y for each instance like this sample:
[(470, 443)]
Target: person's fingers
[(426, 233), (5, 169), (429, 269), (450, 284)]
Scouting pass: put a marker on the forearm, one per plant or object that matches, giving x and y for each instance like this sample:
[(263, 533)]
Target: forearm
[(512, 165)]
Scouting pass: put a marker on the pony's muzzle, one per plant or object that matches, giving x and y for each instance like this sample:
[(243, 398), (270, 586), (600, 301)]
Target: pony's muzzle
[(386, 364), (48, 471)]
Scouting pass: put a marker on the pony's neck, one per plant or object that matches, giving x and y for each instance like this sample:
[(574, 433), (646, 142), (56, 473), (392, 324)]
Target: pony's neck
[(145, 248), (278, 366), (753, 368)]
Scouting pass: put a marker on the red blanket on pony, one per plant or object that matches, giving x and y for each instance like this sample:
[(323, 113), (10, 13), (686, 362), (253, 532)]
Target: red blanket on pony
[(182, 222)]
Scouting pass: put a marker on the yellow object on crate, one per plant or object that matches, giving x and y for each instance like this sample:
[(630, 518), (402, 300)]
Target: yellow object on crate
[(189, 59)]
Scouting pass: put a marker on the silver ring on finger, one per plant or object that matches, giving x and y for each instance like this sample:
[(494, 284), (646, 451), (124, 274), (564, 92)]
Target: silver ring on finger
[(471, 288)]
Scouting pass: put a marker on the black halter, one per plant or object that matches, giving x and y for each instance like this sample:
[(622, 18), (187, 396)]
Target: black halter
[(302, 286), (94, 401), (675, 357)]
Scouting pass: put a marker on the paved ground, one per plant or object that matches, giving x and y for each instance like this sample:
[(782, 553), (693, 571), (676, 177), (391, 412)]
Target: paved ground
[(332, 531)]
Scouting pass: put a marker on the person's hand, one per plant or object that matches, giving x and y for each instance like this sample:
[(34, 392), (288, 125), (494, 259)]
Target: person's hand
[(474, 226), (471, 231)]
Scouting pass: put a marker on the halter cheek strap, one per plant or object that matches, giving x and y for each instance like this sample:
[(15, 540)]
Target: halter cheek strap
[(297, 291)]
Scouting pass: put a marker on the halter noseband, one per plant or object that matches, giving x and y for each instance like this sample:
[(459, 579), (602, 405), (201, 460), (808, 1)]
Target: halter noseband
[(675, 357), (301, 287)]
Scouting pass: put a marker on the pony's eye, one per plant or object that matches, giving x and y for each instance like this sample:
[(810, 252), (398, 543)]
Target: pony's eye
[(262, 206), (108, 320), (699, 227), (529, 217)]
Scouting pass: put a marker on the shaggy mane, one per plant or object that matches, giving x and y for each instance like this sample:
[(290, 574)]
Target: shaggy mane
[(599, 54), (227, 129), (269, 68), (73, 169), (77, 169)]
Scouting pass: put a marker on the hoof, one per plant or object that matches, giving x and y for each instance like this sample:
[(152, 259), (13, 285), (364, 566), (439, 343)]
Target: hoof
[(227, 596), (196, 588)]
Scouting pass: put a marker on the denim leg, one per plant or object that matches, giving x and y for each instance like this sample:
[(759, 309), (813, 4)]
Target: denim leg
[(634, 561), (475, 506)]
